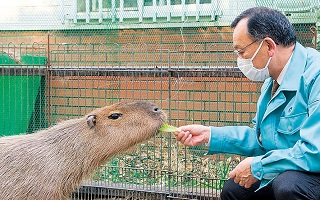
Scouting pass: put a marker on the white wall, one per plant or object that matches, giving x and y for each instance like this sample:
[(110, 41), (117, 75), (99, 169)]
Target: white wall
[(31, 14)]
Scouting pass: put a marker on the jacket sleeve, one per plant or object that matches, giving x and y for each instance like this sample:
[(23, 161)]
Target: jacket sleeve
[(241, 140), (305, 154)]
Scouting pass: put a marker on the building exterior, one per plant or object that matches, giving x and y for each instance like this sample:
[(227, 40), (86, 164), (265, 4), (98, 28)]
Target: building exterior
[(129, 14)]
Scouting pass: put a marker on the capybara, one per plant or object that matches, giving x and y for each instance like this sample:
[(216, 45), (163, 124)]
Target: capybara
[(51, 164)]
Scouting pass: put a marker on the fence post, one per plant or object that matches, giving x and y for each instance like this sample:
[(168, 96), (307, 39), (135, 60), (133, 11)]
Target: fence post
[(113, 10), (87, 11), (100, 12), (140, 10), (48, 77)]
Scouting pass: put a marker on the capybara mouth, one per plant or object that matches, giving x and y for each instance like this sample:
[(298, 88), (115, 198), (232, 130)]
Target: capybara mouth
[(164, 120)]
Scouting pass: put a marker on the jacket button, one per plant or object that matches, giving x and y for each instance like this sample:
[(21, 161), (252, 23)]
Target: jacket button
[(290, 128), (258, 174)]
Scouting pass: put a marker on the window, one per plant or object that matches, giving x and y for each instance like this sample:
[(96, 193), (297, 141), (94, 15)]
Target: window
[(159, 2), (130, 4), (205, 1), (94, 5)]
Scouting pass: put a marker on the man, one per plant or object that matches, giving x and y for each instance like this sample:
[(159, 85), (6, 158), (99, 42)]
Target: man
[(283, 147)]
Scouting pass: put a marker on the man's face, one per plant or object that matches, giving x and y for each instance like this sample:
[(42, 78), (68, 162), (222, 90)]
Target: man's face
[(246, 46)]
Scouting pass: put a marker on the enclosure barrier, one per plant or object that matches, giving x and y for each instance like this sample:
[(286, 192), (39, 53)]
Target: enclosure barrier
[(42, 84)]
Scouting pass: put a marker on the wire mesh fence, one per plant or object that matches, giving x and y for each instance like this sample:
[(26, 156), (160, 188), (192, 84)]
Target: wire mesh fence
[(109, 51), (74, 84), (187, 92)]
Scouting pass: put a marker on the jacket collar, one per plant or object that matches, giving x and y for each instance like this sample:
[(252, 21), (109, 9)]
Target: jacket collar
[(290, 81), (295, 69)]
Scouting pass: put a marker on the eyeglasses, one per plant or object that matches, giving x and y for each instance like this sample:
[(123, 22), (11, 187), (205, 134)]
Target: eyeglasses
[(240, 50)]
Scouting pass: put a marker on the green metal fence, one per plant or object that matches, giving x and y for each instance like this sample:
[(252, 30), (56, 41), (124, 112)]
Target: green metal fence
[(90, 53), (22, 94)]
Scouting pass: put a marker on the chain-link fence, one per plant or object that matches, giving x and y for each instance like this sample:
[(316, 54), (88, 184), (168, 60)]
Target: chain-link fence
[(61, 59)]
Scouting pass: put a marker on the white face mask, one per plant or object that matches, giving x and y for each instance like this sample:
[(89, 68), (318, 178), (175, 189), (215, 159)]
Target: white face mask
[(252, 73)]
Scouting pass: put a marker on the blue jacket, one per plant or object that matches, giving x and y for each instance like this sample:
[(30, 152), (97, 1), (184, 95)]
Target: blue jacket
[(288, 124)]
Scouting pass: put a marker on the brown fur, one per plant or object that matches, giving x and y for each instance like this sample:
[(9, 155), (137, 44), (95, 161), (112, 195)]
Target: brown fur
[(51, 163)]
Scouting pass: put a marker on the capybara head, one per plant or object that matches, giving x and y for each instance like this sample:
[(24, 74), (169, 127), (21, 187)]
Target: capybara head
[(126, 122)]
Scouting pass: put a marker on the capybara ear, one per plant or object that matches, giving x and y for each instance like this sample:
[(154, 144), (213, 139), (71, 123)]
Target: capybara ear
[(91, 120)]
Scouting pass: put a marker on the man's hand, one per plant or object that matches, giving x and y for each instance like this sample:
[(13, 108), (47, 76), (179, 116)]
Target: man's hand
[(192, 135), (242, 173)]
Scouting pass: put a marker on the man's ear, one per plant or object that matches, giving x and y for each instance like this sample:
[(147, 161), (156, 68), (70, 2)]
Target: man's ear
[(91, 120), (272, 46)]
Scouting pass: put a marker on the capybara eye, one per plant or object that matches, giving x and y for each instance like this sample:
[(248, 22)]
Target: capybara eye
[(115, 115), (156, 109)]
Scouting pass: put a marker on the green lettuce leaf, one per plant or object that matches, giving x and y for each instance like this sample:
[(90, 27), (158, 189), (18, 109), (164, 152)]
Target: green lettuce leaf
[(168, 128)]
